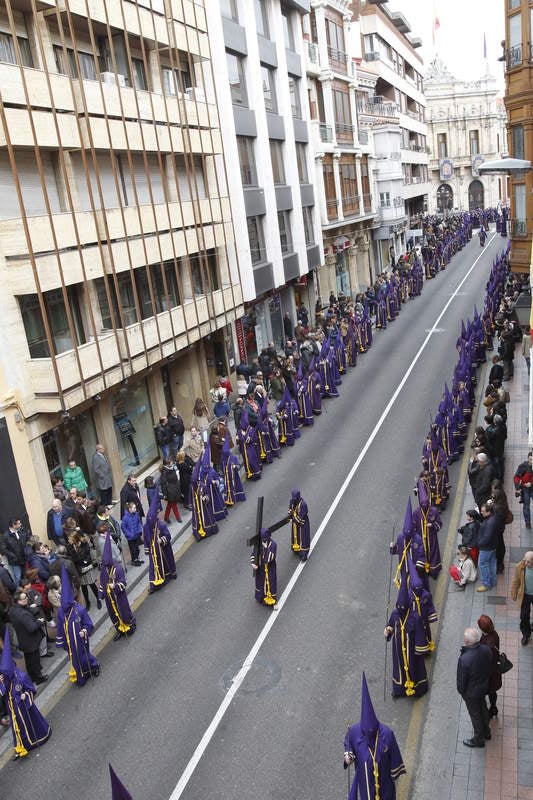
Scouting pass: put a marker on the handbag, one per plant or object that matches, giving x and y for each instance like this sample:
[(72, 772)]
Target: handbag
[(503, 663), (509, 517)]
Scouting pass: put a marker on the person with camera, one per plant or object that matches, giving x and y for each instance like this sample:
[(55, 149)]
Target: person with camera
[(30, 631), (523, 486)]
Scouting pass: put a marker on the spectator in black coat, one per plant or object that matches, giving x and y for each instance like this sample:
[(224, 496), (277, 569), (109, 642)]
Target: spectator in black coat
[(39, 559), (13, 548), (496, 371), (55, 519), (5, 578), (130, 493), (29, 630), (474, 669), (483, 480)]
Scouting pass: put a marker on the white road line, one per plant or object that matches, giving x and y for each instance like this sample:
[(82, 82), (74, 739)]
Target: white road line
[(241, 675)]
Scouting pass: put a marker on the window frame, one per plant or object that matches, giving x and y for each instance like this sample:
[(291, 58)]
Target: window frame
[(277, 162), (257, 223), (241, 74)]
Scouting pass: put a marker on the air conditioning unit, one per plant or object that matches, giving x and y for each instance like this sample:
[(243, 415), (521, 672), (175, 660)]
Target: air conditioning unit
[(193, 93), (111, 79)]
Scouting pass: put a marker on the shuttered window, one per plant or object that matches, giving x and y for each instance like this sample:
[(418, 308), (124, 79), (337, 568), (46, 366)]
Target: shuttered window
[(30, 184)]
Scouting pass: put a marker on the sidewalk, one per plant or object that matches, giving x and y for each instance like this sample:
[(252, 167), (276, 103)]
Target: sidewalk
[(504, 768)]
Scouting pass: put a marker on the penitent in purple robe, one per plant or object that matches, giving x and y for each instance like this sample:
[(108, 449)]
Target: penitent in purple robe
[(210, 480), (158, 548), (29, 727), (315, 388), (113, 591), (300, 528), (265, 576), (203, 522), (409, 645), (229, 466), (74, 627), (305, 411), (427, 523)]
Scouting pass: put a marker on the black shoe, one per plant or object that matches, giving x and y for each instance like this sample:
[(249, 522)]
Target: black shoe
[(473, 743), (98, 604), (500, 568), (41, 679), (525, 639), (49, 654), (117, 636), (493, 712), (138, 562), (87, 605), (528, 526), (488, 736)]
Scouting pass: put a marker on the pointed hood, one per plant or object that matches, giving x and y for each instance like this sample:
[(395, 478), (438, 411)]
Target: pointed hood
[(463, 330), (423, 500), (448, 397), (153, 511), (264, 533), (226, 450), (206, 457), (415, 581), (402, 601), (67, 595), (118, 790), (295, 497), (434, 436), (244, 421), (300, 374), (7, 665), (325, 347), (107, 553), (369, 721), (408, 520)]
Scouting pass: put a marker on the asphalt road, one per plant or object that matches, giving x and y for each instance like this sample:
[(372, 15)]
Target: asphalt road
[(282, 734)]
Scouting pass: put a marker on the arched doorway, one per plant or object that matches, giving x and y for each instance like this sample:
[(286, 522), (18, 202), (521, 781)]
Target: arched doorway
[(444, 198), (475, 195)]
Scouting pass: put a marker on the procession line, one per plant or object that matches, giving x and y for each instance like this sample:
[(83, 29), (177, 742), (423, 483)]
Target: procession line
[(411, 748), (248, 662)]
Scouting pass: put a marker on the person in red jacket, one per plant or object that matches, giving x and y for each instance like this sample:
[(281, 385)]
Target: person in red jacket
[(523, 486)]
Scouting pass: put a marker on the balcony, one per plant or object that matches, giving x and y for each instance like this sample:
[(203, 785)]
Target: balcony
[(326, 132), (344, 132), (312, 58), (337, 59), (332, 208), (378, 107), (518, 228), (351, 206), (514, 56)]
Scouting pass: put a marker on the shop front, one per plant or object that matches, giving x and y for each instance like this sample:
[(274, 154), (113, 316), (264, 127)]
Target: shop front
[(134, 426), (73, 440)]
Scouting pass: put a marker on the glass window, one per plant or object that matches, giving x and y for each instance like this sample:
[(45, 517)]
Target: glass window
[(515, 40), (442, 145), (256, 239), (57, 321), (204, 273), (139, 75), (68, 66), (127, 301), (335, 39), (228, 9), (8, 52), (514, 4), (285, 237), (245, 147), (261, 18), (269, 89), (308, 225), (236, 80), (134, 426), (169, 272), (384, 199), (518, 141), (276, 156), (143, 292), (288, 35), (301, 159), (474, 142), (294, 92)]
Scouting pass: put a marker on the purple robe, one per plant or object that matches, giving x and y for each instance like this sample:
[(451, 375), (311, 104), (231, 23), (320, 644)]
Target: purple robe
[(381, 751), (427, 523), (315, 391), (285, 420), (305, 411), (275, 449), (265, 576), (116, 598), (409, 645), (249, 447), (300, 528), (234, 492), (69, 625), (28, 726), (158, 548), (203, 522), (210, 480)]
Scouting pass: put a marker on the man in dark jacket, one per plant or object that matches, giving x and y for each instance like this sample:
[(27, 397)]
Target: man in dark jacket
[(487, 541), (30, 631), (62, 559), (5, 578), (176, 430), (162, 437), (483, 479), (55, 519), (474, 669), (13, 548), (130, 493), (496, 432), (523, 486)]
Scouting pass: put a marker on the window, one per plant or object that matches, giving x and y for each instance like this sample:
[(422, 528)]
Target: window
[(204, 273), (175, 81), (245, 147), (384, 199), (329, 186), (288, 35), (261, 18), (127, 301), (514, 4), (285, 237), (269, 89), (68, 66), (301, 160), (294, 92), (139, 74), (473, 137), (343, 116), (8, 52), (308, 226), (190, 177), (335, 40), (169, 273), (57, 321), (256, 239), (228, 9), (518, 141), (515, 40), (442, 145), (519, 224), (236, 80), (348, 180), (276, 156)]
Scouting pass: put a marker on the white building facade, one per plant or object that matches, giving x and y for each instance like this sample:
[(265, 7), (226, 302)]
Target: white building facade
[(466, 121)]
